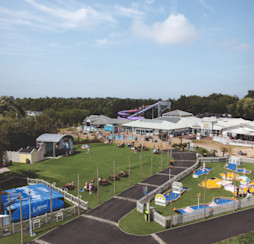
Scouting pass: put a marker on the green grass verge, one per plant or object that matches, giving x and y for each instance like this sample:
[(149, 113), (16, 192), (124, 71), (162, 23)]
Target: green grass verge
[(134, 223), (246, 238)]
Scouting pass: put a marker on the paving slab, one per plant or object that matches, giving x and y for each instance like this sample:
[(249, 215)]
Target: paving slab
[(135, 192), (113, 210), (85, 230), (156, 179)]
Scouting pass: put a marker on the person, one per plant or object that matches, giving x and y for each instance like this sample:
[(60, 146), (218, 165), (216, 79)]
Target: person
[(237, 191), (226, 175), (86, 185), (248, 196), (242, 192), (88, 150), (171, 162), (90, 188)]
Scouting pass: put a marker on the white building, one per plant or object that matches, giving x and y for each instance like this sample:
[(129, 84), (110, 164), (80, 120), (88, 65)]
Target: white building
[(171, 124)]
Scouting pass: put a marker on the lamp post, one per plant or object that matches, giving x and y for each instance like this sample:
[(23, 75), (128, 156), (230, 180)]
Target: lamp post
[(30, 215)]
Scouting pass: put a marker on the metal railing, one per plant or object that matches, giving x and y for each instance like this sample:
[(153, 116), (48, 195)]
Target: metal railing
[(42, 219)]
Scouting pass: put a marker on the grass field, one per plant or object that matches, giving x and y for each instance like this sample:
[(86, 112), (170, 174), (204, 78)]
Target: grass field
[(188, 199), (66, 169)]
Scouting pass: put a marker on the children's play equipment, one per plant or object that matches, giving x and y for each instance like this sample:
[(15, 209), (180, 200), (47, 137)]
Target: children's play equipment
[(133, 114), (201, 171), (214, 183), (40, 201), (165, 199), (216, 202), (235, 168)]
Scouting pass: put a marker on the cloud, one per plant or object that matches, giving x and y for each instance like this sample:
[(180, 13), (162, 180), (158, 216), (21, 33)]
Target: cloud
[(128, 12), (242, 46), (204, 4), (103, 42), (58, 17), (176, 29)]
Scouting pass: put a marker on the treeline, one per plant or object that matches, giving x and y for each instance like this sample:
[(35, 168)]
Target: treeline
[(74, 110)]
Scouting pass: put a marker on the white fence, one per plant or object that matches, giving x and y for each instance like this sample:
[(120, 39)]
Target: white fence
[(228, 141), (214, 159), (39, 220), (73, 199)]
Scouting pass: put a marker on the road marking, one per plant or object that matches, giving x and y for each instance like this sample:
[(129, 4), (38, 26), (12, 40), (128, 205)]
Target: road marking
[(100, 219), (163, 174), (180, 167), (41, 241), (158, 239), (186, 160), (147, 184), (125, 198)]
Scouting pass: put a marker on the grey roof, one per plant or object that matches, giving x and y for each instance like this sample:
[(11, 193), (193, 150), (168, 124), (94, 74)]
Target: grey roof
[(51, 137), (177, 113), (169, 119), (103, 120), (27, 150)]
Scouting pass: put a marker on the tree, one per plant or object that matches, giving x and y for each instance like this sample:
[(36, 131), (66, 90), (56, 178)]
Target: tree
[(245, 108), (9, 108), (224, 150)]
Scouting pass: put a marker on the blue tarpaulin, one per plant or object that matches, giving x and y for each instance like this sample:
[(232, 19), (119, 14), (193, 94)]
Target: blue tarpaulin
[(40, 201)]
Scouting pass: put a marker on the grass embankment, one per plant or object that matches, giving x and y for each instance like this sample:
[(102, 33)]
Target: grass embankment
[(187, 199)]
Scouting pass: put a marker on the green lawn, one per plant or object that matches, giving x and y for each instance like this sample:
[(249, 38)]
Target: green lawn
[(188, 198), (66, 169)]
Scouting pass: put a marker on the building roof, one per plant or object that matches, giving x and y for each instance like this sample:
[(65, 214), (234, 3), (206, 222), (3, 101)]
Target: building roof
[(153, 124), (51, 137), (169, 119), (103, 120), (177, 113), (27, 150)]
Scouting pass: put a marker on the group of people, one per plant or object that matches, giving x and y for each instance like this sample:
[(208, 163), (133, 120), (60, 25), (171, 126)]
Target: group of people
[(240, 192), (89, 186)]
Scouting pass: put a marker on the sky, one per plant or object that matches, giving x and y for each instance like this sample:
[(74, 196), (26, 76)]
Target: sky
[(123, 48)]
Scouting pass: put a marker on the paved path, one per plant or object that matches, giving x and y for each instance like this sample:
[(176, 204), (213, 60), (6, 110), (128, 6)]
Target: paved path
[(100, 225)]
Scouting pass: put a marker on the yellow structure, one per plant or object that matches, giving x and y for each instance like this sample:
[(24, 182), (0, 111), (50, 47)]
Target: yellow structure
[(229, 176), (26, 154), (214, 183)]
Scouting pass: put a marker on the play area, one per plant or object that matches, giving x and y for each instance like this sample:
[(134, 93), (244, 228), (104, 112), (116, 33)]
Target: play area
[(40, 201), (216, 201), (167, 197), (222, 184), (201, 171)]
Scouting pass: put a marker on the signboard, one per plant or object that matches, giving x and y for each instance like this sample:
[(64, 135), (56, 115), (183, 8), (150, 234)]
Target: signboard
[(145, 190)]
